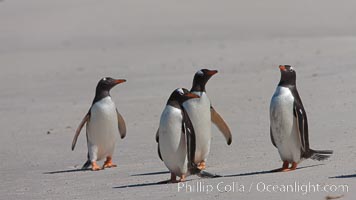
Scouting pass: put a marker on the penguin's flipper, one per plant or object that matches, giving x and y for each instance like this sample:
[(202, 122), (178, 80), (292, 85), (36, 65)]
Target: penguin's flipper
[(158, 150), (221, 124), (188, 130), (159, 153), (302, 122), (157, 136), (122, 125), (272, 139), (77, 132)]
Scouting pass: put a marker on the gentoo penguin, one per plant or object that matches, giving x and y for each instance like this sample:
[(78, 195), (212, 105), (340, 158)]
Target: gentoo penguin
[(103, 124), (202, 113), (176, 144), (289, 124)]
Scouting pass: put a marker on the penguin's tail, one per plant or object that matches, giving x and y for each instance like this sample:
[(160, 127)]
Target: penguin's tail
[(320, 154), (86, 164)]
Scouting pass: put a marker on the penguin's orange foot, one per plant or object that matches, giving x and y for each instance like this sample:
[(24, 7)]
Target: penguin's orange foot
[(294, 166), (285, 167), (182, 178), (202, 165), (108, 163), (94, 166)]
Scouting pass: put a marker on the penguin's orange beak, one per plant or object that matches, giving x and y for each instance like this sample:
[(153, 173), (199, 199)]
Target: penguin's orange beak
[(118, 81), (192, 95), (212, 72), (282, 67)]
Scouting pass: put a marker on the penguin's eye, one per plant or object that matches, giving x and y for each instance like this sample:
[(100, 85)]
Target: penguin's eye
[(104, 79)]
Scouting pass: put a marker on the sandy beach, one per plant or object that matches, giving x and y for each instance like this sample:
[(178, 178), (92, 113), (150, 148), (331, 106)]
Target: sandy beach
[(52, 54)]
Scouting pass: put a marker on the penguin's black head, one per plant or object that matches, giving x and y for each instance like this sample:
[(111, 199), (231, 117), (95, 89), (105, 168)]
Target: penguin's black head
[(180, 95), (288, 75), (201, 77), (104, 86), (107, 83)]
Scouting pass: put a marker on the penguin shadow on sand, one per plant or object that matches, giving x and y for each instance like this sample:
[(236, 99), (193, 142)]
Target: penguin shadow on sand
[(204, 174), (201, 174), (344, 176), (145, 184), (67, 171), (138, 185), (267, 171), (151, 173)]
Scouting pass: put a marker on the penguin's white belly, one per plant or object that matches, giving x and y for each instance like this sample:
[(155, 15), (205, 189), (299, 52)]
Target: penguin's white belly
[(200, 115), (172, 142), (102, 129), (284, 125)]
